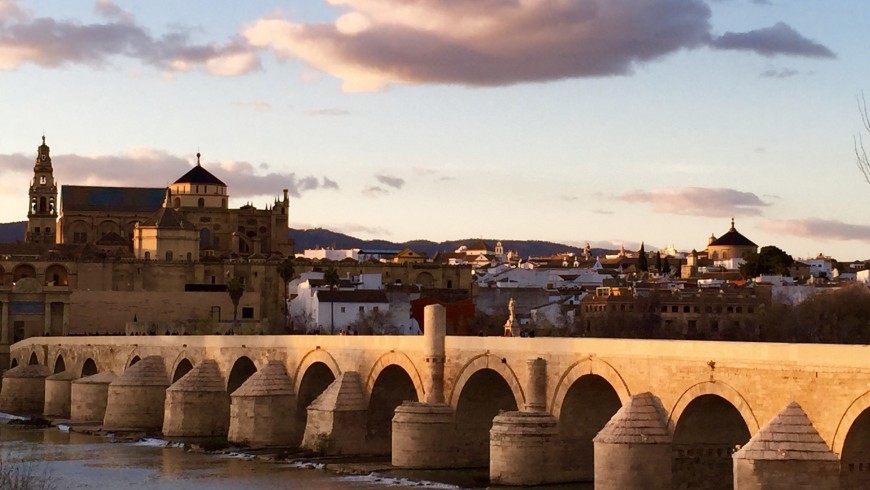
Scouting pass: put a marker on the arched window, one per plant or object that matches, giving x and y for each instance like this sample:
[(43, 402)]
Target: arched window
[(42, 205), (177, 202), (204, 238), (200, 202), (147, 255)]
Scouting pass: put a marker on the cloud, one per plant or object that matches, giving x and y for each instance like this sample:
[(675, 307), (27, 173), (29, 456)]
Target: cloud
[(257, 105), (394, 182), (781, 73), (602, 211), (374, 191), (52, 43), (569, 198), (326, 112), (148, 167), (779, 39), (376, 43), (698, 201), (818, 229)]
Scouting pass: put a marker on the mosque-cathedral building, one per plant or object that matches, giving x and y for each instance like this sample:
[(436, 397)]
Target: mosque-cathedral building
[(140, 258)]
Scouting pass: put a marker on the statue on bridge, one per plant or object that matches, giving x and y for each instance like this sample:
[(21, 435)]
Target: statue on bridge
[(511, 325)]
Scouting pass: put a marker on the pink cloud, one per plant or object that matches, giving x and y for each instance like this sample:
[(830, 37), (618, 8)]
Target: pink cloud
[(698, 201), (819, 229)]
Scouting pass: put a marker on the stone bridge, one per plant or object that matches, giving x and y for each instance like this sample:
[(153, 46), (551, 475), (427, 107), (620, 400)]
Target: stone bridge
[(529, 408)]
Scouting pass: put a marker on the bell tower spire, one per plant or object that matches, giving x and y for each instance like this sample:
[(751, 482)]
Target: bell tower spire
[(42, 211)]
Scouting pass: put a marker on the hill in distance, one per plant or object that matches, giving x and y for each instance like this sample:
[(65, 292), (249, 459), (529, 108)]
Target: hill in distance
[(319, 237)]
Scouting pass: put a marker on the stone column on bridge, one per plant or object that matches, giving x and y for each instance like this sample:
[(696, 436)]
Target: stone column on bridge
[(137, 397), (197, 404), (337, 418), (634, 449), (57, 394), (787, 453), (523, 445), (423, 433), (23, 390), (263, 409), (89, 396)]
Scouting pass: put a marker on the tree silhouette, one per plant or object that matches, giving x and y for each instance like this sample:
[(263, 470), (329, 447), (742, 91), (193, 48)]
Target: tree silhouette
[(235, 288), (666, 266), (332, 280), (657, 263), (642, 263)]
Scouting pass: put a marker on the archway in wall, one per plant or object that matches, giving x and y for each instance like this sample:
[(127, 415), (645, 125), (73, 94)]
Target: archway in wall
[(23, 270), (483, 396), (425, 279), (183, 368), (34, 361), (89, 368), (705, 437), (13, 364), (56, 275), (2, 274), (588, 405), (316, 379), (855, 457), (134, 360), (59, 365), (392, 387), (243, 368)]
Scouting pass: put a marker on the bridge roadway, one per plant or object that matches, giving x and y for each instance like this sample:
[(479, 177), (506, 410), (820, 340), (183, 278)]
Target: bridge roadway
[(713, 396)]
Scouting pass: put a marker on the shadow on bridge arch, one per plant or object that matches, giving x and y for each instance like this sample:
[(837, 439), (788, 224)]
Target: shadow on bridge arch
[(586, 398), (393, 379), (708, 421), (317, 370), (59, 365), (242, 369), (486, 385), (89, 368), (183, 367), (852, 444), (34, 359)]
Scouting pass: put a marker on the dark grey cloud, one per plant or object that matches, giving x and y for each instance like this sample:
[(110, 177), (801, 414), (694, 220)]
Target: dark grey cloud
[(500, 42), (698, 201), (818, 229), (780, 73), (54, 43), (154, 168), (779, 39), (394, 182)]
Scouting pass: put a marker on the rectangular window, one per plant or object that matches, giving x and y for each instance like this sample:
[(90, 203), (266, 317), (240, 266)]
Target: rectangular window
[(215, 313), (247, 312), (374, 309), (342, 309), (362, 309)]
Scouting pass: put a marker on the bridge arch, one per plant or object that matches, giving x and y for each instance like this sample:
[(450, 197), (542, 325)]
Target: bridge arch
[(401, 360), (393, 379), (852, 444), (487, 361), (59, 365), (243, 368), (593, 366), (723, 390), (89, 368), (34, 359), (182, 367), (309, 359)]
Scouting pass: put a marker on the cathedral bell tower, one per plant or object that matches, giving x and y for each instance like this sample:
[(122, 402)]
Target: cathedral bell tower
[(42, 212)]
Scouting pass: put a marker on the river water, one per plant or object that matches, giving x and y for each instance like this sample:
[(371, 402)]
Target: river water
[(72, 460)]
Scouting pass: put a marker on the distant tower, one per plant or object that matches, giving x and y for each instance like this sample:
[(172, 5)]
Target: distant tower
[(499, 249), (42, 213)]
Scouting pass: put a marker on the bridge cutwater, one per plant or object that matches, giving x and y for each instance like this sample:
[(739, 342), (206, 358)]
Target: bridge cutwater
[(622, 413)]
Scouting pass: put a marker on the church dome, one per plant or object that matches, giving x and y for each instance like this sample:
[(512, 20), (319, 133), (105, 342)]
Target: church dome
[(732, 239)]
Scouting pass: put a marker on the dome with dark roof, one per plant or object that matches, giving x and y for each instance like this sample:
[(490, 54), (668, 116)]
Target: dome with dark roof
[(199, 175), (732, 239)]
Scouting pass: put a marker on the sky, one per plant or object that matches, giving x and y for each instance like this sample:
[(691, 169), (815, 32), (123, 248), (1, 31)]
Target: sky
[(607, 121)]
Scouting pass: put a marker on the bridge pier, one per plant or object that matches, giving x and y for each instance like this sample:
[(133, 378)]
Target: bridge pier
[(57, 394), (634, 449), (262, 410), (136, 399), (23, 390), (337, 418), (197, 405), (522, 444), (788, 453), (89, 397), (424, 433)]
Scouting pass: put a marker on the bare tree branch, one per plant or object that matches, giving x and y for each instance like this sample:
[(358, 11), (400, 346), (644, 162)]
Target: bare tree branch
[(862, 159)]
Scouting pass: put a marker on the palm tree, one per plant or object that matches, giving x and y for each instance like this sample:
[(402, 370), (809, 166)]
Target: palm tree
[(286, 271), (235, 288)]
